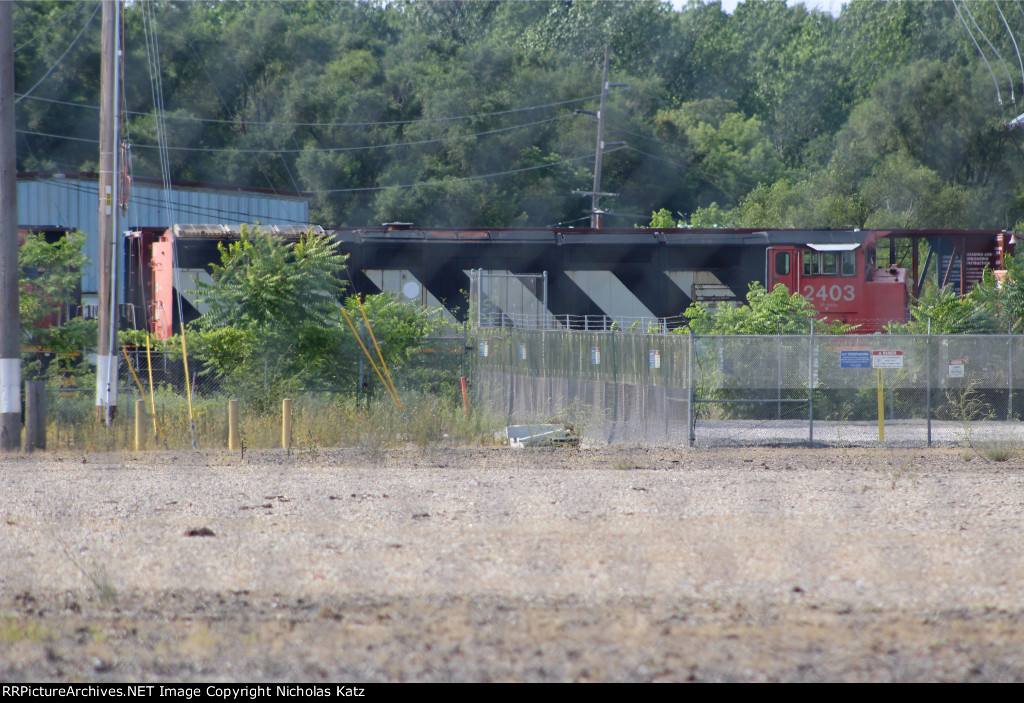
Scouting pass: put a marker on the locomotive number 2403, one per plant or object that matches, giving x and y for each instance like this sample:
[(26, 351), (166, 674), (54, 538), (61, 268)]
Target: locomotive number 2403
[(834, 292)]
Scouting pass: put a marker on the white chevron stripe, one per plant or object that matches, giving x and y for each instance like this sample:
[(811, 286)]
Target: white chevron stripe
[(609, 294)]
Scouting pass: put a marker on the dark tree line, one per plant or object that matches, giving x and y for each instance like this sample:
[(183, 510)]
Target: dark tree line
[(462, 113)]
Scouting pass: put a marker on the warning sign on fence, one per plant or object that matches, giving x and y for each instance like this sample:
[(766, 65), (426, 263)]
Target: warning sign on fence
[(887, 359), (956, 368)]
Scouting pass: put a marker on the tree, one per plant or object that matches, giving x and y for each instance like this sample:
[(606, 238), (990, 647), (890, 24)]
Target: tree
[(778, 312), (263, 282), (49, 276), (275, 323)]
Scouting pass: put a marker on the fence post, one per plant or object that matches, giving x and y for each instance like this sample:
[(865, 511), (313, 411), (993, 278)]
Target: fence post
[(810, 385), (778, 374), (928, 379), (691, 417), (140, 432), (286, 424), (233, 434), (1009, 378), (35, 415)]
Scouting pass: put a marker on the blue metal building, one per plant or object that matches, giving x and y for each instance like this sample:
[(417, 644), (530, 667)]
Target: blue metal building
[(72, 200)]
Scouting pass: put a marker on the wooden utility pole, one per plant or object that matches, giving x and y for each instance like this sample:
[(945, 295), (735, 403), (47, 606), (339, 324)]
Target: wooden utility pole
[(595, 195), (106, 357), (10, 320), (596, 214)]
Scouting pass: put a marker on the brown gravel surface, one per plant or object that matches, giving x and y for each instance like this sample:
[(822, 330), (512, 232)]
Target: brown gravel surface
[(495, 564)]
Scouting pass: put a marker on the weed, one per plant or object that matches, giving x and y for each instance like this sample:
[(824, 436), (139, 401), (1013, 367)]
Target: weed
[(13, 630), (95, 573), (967, 406), (843, 417), (901, 471), (312, 448), (1000, 450)]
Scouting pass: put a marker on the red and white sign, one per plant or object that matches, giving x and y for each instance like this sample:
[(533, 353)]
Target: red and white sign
[(956, 368), (887, 359)]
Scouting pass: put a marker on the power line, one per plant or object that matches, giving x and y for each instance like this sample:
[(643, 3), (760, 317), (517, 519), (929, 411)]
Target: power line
[(54, 66), (367, 147), (249, 123), (998, 56), (138, 196), (999, 98), (77, 6), (1013, 39), (223, 102), (325, 150), (460, 179)]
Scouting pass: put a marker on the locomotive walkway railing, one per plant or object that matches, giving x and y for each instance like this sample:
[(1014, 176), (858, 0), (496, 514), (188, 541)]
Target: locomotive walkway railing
[(615, 387)]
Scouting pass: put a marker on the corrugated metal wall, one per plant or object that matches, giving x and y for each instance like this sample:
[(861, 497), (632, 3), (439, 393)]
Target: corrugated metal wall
[(74, 202)]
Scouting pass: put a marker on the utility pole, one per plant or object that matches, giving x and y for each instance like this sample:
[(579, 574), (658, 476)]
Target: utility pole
[(596, 214), (106, 358), (10, 320), (595, 195)]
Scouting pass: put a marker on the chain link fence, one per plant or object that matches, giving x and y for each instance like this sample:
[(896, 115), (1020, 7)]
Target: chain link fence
[(758, 390)]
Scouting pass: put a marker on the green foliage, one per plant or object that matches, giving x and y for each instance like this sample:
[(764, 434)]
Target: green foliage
[(778, 312), (264, 282), (783, 116), (49, 277), (274, 325), (662, 219), (1003, 300), (943, 311), (992, 306)]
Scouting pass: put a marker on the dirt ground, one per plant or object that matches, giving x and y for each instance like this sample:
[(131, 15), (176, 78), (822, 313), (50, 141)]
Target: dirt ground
[(493, 564)]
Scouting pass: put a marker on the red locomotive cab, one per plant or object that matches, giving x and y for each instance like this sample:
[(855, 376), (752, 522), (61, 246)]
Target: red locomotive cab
[(842, 283)]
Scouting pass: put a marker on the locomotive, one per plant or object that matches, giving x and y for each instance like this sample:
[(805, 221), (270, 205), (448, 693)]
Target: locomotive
[(594, 278)]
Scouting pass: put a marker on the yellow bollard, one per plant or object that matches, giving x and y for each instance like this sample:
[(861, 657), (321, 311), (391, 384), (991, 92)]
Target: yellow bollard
[(140, 432), (286, 423), (234, 438)]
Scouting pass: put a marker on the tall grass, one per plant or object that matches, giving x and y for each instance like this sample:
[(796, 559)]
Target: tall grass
[(318, 420)]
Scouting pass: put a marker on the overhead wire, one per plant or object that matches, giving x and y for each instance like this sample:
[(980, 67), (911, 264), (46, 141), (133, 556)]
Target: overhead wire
[(387, 123), (156, 88), (1016, 49), (367, 147), (446, 181), (208, 213), (379, 123), (223, 102), (999, 97), (66, 52), (994, 51), (77, 6)]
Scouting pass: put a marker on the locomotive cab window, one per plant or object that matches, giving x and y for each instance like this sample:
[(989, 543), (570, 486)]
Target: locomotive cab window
[(782, 263), (831, 260), (849, 263)]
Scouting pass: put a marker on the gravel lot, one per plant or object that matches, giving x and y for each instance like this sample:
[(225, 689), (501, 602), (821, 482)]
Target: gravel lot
[(494, 564)]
